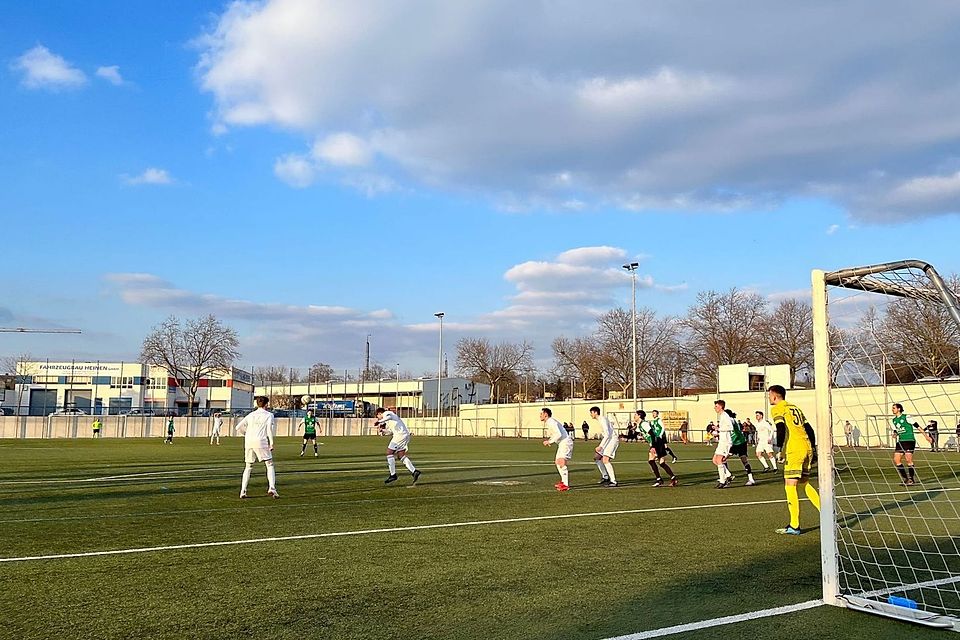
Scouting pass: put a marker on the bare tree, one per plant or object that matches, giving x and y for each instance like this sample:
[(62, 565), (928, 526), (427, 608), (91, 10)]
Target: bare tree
[(656, 346), (494, 364), (787, 337), (724, 328), (582, 357), (191, 351), (319, 372), (270, 374)]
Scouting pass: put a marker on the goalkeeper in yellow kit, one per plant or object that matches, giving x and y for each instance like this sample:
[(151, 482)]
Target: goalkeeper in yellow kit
[(796, 441)]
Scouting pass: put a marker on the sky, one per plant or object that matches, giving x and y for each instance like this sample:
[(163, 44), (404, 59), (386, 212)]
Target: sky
[(314, 173)]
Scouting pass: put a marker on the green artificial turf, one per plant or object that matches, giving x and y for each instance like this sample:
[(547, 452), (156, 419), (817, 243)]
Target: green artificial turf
[(589, 577)]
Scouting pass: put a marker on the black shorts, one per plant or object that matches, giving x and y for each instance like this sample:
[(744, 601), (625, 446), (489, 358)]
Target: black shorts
[(660, 446), (310, 436), (738, 449), (905, 446)]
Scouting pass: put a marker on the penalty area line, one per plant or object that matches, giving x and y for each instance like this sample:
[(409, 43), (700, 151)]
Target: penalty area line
[(718, 622), (361, 532)]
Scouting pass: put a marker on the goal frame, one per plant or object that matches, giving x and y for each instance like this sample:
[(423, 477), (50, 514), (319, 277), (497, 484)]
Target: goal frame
[(857, 278)]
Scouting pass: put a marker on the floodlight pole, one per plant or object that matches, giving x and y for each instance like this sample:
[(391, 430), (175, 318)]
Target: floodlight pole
[(439, 368), (632, 268)]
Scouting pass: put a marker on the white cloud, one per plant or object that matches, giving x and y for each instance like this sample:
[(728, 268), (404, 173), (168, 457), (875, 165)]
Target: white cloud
[(639, 107), (296, 170), (43, 69), (832, 229), (151, 175), (342, 150), (111, 74), (592, 255)]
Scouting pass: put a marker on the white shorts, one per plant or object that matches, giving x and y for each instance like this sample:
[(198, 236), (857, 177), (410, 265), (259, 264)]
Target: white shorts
[(610, 450), (723, 446), (399, 444), (565, 449), (764, 447), (257, 454)]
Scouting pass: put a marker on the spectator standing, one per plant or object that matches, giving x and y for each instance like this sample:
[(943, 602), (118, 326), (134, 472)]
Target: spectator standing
[(586, 430)]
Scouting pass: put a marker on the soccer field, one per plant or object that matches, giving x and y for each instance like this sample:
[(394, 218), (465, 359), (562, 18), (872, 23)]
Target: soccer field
[(481, 547)]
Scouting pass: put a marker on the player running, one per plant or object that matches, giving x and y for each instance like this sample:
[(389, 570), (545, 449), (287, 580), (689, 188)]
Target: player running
[(559, 436), (309, 424), (765, 443), (906, 444), (170, 430), (389, 422), (657, 438), (258, 430), (607, 450), (796, 441)]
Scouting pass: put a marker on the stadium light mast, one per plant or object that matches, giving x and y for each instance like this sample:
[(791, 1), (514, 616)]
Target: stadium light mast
[(439, 315), (632, 268)]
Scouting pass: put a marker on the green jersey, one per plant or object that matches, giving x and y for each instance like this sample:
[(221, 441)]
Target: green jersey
[(170, 426), (903, 428), (310, 424), (736, 436), (656, 429)]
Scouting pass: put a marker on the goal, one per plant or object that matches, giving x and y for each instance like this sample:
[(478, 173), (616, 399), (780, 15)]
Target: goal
[(885, 334)]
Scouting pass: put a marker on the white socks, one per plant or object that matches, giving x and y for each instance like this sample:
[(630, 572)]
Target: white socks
[(392, 465), (246, 478), (564, 474), (408, 464), (602, 468), (763, 461), (271, 476), (723, 472), (609, 467), (773, 461)]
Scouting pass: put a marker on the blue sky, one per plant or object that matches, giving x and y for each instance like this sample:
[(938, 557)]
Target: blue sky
[(315, 172)]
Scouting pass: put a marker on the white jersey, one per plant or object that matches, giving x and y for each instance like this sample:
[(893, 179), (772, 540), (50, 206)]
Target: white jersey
[(607, 433), (217, 424), (764, 432), (258, 429), (391, 422), (556, 432)]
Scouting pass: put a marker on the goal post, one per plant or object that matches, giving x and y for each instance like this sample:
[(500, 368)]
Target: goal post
[(890, 533)]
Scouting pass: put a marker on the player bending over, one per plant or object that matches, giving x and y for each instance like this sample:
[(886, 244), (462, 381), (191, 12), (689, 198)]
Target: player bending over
[(607, 450), (657, 438), (309, 424), (559, 436), (796, 441), (906, 444), (389, 422), (765, 443), (258, 430)]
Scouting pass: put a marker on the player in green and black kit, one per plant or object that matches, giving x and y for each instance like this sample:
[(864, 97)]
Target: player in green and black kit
[(906, 443), (309, 432), (655, 422)]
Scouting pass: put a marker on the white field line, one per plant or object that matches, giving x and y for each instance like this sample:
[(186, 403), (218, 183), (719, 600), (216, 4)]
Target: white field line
[(717, 622), (161, 475), (361, 532)]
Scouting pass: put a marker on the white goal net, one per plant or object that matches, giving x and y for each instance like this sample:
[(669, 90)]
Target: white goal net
[(884, 335)]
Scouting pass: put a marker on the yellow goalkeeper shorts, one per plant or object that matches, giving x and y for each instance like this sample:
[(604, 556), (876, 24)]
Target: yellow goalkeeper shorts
[(797, 464)]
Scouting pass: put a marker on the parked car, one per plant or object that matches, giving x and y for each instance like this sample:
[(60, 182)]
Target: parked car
[(69, 411), (6, 411)]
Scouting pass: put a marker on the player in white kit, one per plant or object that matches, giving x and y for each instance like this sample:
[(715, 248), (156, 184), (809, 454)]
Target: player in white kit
[(217, 425), (724, 442), (765, 437), (557, 435), (389, 422), (258, 430), (607, 450)]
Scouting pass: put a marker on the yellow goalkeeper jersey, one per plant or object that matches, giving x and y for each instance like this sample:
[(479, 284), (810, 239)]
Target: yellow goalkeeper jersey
[(793, 418)]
